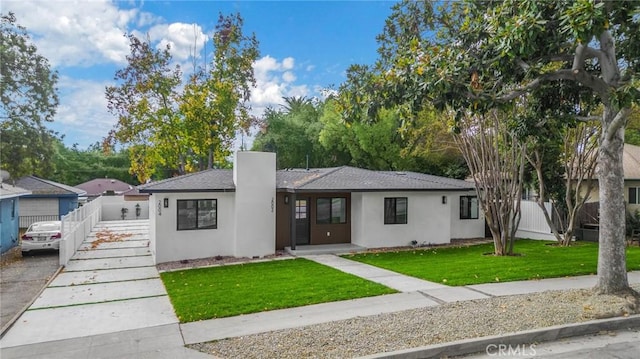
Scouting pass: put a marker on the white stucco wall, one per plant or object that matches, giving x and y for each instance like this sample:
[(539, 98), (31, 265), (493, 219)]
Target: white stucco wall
[(428, 220), (154, 202), (464, 228), (112, 208), (172, 245), (254, 174)]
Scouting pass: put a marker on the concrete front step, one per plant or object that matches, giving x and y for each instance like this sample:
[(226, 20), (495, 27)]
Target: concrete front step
[(98, 293), (112, 253), (87, 246), (109, 263), (104, 276)]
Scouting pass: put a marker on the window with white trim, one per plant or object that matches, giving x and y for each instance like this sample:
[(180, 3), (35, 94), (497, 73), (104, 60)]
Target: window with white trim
[(634, 195)]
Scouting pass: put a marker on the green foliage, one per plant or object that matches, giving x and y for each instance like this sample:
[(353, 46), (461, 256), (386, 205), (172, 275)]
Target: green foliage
[(74, 166), (215, 101), (293, 133), (145, 104), (475, 264), (183, 127), (29, 100), (632, 132), (225, 291)]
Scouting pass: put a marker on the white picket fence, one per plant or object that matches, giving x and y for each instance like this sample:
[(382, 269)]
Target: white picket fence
[(532, 223)]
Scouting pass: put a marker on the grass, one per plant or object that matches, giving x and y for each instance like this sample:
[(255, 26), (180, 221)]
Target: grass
[(468, 265), (217, 292)]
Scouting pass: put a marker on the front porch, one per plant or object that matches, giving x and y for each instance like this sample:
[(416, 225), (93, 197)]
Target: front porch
[(339, 248)]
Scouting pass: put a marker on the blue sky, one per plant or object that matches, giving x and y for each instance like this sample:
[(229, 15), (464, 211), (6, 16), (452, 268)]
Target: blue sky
[(305, 46)]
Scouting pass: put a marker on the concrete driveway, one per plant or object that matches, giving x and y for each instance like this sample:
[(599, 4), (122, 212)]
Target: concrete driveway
[(110, 285), (22, 279)]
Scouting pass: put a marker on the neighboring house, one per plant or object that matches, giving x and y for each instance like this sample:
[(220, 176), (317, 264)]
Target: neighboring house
[(48, 201), (533, 224), (104, 187), (253, 210), (9, 215), (631, 165)]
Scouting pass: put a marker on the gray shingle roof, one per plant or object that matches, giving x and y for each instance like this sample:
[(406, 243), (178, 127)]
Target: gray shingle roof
[(317, 179), (40, 186), (214, 180), (10, 191), (360, 180)]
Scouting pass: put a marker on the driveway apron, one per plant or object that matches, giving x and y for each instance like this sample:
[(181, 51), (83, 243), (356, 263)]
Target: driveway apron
[(110, 285)]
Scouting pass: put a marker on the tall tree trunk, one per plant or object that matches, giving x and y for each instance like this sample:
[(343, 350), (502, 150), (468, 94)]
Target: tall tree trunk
[(612, 267)]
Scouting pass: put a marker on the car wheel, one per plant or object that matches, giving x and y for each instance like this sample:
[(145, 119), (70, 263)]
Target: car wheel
[(24, 254)]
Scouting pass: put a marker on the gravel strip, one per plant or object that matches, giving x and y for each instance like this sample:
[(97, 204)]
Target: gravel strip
[(413, 328)]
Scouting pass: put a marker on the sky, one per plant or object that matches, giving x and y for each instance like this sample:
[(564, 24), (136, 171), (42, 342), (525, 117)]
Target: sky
[(305, 47)]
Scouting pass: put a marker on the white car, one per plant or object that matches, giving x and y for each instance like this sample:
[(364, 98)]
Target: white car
[(41, 236)]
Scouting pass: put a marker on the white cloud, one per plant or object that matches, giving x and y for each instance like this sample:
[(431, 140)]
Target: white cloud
[(288, 76), (274, 80), (82, 115), (181, 37), (71, 33), (288, 63)]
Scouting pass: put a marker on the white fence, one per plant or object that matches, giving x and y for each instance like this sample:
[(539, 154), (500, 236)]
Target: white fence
[(76, 226), (533, 225), (112, 208)]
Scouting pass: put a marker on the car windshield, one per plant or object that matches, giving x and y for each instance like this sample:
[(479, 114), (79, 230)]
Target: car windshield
[(44, 227)]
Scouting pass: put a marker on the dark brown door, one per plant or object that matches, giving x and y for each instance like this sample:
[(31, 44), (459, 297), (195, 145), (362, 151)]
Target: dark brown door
[(302, 220)]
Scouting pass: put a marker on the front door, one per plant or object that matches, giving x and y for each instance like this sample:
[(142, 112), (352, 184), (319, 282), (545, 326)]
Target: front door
[(302, 221)]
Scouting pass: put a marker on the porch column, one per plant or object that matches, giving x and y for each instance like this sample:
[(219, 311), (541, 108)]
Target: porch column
[(292, 204)]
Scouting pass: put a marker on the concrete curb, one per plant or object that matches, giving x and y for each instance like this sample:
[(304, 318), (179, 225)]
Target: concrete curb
[(10, 323), (479, 345)]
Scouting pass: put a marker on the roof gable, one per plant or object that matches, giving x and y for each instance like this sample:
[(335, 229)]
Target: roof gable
[(99, 186), (9, 191), (40, 186)]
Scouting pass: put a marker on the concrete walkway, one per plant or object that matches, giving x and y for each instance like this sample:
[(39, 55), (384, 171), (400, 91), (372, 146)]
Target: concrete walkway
[(110, 293)]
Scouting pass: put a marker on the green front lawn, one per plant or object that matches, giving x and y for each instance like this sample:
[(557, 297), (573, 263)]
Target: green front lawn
[(469, 265), (225, 291)]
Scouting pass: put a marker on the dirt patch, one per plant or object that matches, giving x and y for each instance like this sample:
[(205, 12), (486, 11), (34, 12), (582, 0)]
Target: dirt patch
[(217, 260)]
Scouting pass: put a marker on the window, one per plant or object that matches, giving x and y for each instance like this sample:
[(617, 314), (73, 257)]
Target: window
[(197, 214), (468, 207), (634, 195), (301, 208), (395, 210), (13, 208), (331, 210)]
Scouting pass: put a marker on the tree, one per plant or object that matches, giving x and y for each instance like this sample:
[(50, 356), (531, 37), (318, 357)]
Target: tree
[(215, 101), (478, 55), (495, 156), (29, 100), (293, 133), (145, 104)]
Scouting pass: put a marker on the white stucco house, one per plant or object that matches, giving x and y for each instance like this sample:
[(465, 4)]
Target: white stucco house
[(254, 210)]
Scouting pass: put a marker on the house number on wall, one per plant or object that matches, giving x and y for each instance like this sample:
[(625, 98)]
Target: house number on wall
[(159, 208), (272, 204)]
